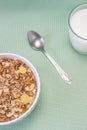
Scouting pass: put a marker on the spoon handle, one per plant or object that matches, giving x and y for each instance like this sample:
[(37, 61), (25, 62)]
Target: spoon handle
[(61, 72)]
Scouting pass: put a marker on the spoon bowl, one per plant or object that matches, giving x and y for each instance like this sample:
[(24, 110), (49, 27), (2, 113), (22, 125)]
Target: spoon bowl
[(35, 40)]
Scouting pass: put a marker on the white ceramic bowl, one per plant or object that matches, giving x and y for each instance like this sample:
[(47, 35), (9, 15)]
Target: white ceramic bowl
[(78, 42), (27, 62)]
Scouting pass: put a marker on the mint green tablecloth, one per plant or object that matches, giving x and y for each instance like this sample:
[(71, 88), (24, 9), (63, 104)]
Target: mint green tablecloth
[(60, 107)]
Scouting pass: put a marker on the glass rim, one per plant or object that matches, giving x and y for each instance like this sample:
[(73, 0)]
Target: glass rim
[(77, 8)]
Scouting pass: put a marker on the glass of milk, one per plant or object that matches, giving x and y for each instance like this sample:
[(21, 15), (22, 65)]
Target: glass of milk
[(78, 28)]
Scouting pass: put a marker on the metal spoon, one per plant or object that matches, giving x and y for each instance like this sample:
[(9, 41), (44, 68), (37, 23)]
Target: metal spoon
[(37, 43)]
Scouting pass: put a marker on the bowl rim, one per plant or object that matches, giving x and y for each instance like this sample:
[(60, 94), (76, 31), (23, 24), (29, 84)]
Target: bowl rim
[(33, 69), (75, 9)]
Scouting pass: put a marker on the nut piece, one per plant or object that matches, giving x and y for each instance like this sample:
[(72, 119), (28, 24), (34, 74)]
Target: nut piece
[(22, 70), (31, 87), (26, 99)]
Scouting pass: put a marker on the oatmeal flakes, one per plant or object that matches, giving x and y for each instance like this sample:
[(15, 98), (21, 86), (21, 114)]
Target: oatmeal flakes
[(9, 114), (2, 111), (15, 115), (29, 70), (17, 88), (6, 90), (18, 109), (34, 91), (26, 88), (0, 92), (8, 76)]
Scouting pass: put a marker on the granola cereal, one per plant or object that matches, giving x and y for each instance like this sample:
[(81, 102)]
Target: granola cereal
[(17, 88)]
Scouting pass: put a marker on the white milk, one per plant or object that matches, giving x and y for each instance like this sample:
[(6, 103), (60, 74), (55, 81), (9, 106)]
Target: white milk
[(78, 28), (78, 23)]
